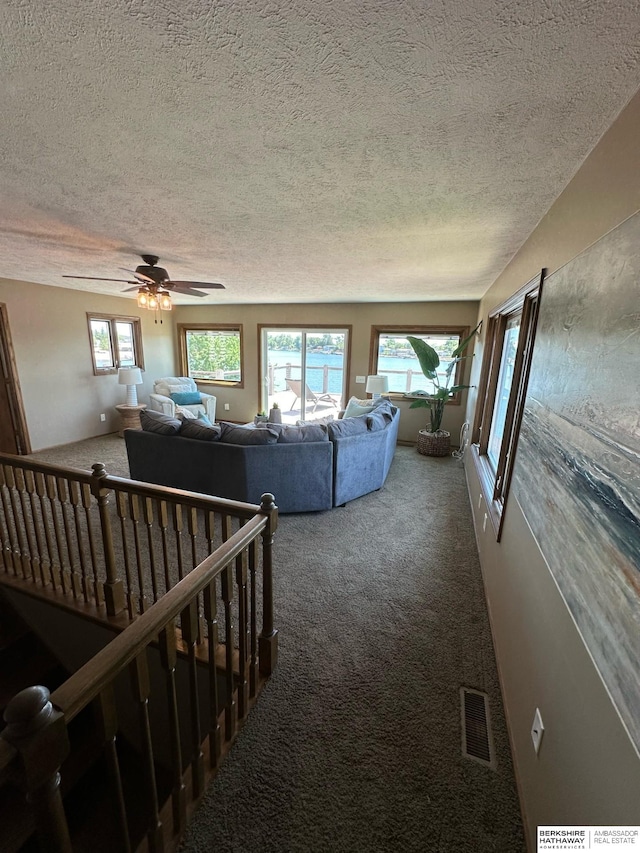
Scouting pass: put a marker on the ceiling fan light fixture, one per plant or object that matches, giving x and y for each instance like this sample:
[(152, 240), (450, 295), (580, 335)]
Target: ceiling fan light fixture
[(143, 298), (164, 300), (152, 302)]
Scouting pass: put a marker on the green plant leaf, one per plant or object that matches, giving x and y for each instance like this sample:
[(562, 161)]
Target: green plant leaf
[(427, 356), (465, 343), (419, 404)]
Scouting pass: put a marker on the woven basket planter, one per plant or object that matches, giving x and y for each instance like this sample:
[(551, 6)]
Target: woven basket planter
[(434, 443)]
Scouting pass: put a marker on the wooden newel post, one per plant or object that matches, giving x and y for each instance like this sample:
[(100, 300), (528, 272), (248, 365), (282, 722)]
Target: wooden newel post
[(39, 733), (268, 639), (113, 589)]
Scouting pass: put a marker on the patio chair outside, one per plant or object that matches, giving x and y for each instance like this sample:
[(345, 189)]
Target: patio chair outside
[(310, 396)]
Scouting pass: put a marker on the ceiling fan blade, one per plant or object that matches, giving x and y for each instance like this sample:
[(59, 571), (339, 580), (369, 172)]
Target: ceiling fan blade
[(97, 278), (187, 291), (139, 275), (207, 284), (136, 287)]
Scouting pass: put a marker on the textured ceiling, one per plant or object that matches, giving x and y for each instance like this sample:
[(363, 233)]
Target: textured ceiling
[(296, 150)]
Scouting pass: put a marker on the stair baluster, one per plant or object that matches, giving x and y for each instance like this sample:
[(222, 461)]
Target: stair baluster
[(107, 724), (168, 658), (189, 627), (141, 690)]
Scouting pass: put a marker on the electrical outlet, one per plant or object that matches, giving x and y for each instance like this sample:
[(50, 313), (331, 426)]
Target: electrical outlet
[(103, 417), (361, 380), (537, 730), (226, 407)]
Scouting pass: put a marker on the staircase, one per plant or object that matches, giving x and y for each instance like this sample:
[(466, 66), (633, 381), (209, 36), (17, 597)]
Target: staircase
[(153, 636)]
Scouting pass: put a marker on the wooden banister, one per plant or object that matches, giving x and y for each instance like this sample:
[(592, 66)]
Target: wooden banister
[(84, 685), (39, 733), (111, 545)]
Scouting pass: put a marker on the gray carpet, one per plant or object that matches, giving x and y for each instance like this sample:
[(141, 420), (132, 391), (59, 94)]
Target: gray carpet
[(354, 747)]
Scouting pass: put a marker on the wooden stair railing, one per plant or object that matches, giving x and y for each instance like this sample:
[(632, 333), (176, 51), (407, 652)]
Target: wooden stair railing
[(34, 744), (124, 552), (101, 541)]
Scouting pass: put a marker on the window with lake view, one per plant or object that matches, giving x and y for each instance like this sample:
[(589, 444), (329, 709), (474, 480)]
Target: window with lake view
[(304, 370), (393, 356)]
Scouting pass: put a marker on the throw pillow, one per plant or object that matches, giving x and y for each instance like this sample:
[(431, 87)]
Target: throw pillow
[(157, 422), (357, 407), (185, 414), (186, 398), (205, 420), (348, 426), (301, 434), (199, 430), (376, 421), (235, 434), (179, 388), (381, 416)]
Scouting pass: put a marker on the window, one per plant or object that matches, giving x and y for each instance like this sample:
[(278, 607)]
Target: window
[(115, 342), (393, 356), (501, 393), (211, 353), (304, 370)]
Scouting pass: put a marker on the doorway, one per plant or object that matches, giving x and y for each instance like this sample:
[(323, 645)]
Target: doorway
[(304, 371), (14, 437)]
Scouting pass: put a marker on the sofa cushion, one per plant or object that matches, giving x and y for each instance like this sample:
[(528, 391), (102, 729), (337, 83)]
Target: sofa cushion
[(235, 434), (199, 430), (152, 421), (348, 426), (186, 398), (323, 420), (297, 434)]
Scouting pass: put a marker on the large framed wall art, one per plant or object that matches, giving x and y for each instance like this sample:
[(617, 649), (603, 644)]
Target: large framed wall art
[(577, 469)]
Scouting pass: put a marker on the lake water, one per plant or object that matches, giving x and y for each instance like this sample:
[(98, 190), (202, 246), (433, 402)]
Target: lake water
[(395, 368)]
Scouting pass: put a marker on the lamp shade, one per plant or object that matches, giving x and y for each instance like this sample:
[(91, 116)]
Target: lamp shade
[(130, 376), (377, 384)]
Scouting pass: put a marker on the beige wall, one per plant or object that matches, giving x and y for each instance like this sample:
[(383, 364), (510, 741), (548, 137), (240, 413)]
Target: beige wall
[(63, 399), (587, 771), (361, 317), (61, 396)]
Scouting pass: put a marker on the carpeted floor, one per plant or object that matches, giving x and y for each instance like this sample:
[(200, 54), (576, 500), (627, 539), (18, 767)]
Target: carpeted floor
[(355, 745)]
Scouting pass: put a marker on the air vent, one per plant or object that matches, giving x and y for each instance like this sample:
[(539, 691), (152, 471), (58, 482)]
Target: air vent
[(477, 742)]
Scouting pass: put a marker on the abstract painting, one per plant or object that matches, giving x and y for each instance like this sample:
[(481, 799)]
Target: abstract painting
[(577, 468)]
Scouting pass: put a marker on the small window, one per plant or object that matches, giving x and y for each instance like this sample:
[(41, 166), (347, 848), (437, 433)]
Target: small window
[(115, 342), (501, 393), (211, 353), (393, 356)]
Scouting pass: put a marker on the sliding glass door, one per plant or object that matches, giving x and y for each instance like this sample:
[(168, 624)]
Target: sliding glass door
[(304, 371)]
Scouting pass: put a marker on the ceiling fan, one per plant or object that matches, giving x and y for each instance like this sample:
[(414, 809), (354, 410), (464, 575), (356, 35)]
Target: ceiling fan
[(153, 284)]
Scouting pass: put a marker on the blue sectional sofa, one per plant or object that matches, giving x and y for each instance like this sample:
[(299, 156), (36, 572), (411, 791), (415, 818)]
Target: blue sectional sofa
[(306, 468)]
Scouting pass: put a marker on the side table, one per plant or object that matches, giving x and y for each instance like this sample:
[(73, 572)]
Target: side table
[(130, 417)]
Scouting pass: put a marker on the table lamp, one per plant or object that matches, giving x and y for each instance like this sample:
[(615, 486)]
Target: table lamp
[(377, 385), (130, 376)]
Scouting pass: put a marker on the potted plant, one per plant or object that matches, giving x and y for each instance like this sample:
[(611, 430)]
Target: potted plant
[(434, 441), (275, 415), (260, 418)]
